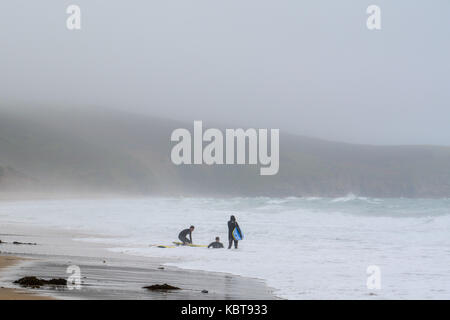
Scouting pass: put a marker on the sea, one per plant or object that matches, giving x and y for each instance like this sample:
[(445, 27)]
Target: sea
[(349, 247)]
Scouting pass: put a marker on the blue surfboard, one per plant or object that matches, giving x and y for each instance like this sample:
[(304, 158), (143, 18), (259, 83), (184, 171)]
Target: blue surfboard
[(237, 234)]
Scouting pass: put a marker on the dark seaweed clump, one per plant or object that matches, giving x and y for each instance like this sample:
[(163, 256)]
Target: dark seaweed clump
[(34, 282), (164, 286)]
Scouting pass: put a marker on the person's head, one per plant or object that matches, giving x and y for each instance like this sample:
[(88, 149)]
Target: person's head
[(191, 228), (217, 239), (233, 218)]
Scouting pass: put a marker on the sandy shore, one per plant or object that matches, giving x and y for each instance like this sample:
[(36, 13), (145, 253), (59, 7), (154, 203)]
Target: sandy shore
[(15, 294), (106, 274)]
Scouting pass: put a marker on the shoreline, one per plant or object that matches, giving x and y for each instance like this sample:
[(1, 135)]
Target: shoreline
[(106, 274), (7, 261)]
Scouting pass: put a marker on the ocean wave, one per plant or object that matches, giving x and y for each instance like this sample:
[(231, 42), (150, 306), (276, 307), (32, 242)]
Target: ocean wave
[(352, 197)]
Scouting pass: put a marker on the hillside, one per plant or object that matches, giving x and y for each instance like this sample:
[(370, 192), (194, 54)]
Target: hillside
[(106, 151)]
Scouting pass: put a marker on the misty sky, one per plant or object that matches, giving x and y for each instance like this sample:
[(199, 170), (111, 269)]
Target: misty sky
[(308, 67)]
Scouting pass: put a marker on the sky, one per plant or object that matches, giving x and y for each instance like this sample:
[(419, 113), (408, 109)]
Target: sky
[(306, 67)]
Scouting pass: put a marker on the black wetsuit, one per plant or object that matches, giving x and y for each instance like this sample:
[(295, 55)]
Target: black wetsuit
[(183, 236), (231, 225), (215, 245)]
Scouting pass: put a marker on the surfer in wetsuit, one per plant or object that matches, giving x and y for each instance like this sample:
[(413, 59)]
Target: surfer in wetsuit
[(231, 225), (183, 235), (216, 244)]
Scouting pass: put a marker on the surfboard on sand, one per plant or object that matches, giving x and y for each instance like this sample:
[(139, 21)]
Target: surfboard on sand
[(189, 244), (237, 234)]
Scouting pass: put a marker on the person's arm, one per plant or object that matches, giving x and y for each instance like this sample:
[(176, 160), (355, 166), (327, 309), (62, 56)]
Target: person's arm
[(190, 236), (210, 245)]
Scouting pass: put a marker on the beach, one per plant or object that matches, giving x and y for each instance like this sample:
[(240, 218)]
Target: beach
[(15, 294), (48, 253), (293, 248)]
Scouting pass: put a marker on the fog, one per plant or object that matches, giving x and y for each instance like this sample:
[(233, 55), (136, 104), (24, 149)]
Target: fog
[(310, 68)]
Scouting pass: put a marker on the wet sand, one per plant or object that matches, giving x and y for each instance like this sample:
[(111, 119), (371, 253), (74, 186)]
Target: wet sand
[(109, 275), (14, 294)]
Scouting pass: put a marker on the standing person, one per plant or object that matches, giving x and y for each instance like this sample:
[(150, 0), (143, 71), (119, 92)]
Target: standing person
[(183, 235), (231, 225)]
